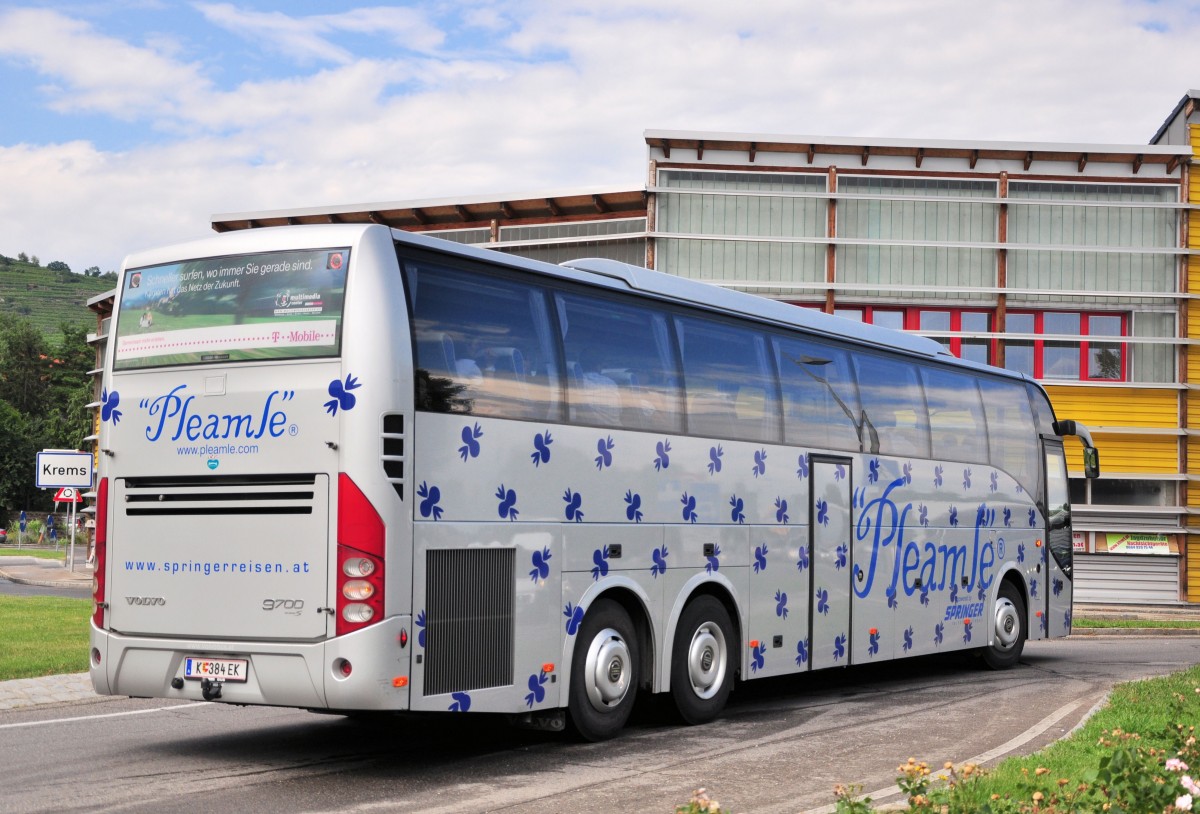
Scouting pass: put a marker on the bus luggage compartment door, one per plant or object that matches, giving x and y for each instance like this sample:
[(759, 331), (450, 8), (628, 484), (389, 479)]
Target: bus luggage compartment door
[(220, 560)]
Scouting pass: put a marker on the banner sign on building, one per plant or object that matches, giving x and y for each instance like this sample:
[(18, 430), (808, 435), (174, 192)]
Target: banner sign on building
[(1138, 544)]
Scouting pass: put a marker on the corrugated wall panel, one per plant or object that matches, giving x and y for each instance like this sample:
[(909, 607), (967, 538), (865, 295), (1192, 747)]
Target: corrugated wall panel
[(1126, 578), (1134, 454), (1116, 406), (1193, 574)]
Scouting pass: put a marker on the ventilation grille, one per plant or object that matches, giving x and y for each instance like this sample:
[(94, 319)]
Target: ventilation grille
[(220, 495), (393, 451), (469, 619)]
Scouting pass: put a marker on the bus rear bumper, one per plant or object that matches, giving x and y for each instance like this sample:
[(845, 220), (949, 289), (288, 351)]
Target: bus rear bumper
[(285, 674)]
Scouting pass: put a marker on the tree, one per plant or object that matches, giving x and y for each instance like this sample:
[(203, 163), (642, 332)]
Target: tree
[(58, 265), (92, 271), (24, 377), (18, 457), (21, 256)]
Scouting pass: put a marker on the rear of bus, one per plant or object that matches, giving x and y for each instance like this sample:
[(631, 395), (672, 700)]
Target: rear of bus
[(251, 540)]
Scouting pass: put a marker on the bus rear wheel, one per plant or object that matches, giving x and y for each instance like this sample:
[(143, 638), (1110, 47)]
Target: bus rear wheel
[(701, 660), (604, 672), (1009, 641)]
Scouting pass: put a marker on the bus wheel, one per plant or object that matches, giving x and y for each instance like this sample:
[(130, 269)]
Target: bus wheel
[(1010, 629), (701, 660), (604, 672)]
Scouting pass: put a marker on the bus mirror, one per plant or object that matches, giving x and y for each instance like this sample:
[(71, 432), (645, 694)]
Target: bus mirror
[(1091, 462)]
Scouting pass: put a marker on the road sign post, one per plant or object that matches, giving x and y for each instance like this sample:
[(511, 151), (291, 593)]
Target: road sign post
[(68, 471)]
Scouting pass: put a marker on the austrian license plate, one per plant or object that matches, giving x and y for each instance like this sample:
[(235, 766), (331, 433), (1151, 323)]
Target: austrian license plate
[(197, 668)]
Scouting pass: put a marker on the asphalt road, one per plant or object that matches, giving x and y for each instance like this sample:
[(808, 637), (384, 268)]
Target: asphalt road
[(780, 747), (9, 588)]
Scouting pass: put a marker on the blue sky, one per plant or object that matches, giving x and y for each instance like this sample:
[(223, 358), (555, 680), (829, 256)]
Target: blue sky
[(128, 123)]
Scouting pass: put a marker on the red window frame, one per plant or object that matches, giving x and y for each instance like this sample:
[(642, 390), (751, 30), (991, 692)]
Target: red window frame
[(1085, 317)]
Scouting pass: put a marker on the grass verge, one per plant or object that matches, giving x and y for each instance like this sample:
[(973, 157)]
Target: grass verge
[(43, 635), (40, 553), (1095, 624)]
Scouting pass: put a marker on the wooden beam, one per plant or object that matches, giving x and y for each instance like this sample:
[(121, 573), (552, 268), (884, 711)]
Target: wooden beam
[(291, 221), (419, 216), (553, 207), (1083, 159), (1173, 164), (600, 205), (812, 152), (375, 217), (506, 210), (666, 148), (753, 151), (920, 156), (1028, 159), (866, 154), (1137, 162), (333, 218), (974, 158), (462, 213), (700, 150)]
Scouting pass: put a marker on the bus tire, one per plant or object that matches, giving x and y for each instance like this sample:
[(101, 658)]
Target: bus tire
[(1010, 636), (604, 672), (702, 666)]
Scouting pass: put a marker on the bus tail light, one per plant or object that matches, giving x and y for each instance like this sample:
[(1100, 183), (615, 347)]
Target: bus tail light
[(360, 561), (101, 554)]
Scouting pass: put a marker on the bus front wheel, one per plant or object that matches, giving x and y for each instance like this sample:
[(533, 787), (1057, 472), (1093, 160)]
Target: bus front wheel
[(604, 672), (1009, 641), (701, 660)]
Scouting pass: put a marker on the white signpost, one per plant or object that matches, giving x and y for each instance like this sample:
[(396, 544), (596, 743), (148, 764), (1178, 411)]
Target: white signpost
[(70, 472)]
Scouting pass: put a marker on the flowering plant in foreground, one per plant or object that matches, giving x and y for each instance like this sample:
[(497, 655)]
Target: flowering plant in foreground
[(1130, 778)]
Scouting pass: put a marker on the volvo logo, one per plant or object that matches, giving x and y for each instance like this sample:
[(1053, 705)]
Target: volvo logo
[(146, 600)]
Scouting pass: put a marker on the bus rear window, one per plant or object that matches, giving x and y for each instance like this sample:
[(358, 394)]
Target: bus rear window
[(253, 307)]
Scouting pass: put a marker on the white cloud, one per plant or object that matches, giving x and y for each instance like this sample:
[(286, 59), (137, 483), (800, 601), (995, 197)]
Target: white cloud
[(558, 98)]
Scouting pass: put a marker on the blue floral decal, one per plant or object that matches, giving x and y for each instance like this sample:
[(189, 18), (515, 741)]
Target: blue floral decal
[(967, 478), (737, 514), (937, 476), (1042, 621), (541, 565), (839, 646), (994, 482), (1067, 620), (541, 448), (966, 630), (873, 471), (923, 514), (109, 410), (420, 623), (1007, 517), (429, 504), (873, 645), (758, 658), (689, 508), (925, 595), (839, 472), (342, 397), (599, 563), (843, 552), (1020, 552), (760, 558), (908, 639), (781, 608), (470, 437), (938, 631), (893, 600), (461, 703), (781, 515), (508, 503), (714, 459), (659, 561), (1033, 587), (537, 688), (573, 510), (633, 506), (822, 601), (822, 512), (802, 466), (760, 462), (1032, 518), (907, 470), (801, 652), (802, 560), (605, 447), (661, 459), (574, 616), (1057, 586), (953, 591), (954, 516), (714, 563)]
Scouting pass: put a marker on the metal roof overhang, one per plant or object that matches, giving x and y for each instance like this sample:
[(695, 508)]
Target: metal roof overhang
[(454, 213)]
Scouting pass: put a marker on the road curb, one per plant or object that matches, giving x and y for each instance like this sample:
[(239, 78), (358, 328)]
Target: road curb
[(44, 583)]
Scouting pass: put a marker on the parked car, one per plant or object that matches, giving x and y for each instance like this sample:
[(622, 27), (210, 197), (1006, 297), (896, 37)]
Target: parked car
[(3, 536)]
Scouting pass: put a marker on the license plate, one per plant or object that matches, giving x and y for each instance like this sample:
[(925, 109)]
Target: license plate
[(197, 668)]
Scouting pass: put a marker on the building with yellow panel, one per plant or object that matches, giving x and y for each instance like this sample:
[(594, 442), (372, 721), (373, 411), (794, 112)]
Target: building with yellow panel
[(1064, 261)]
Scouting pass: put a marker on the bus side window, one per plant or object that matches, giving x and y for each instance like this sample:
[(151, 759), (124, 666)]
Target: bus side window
[(729, 381), (483, 346), (620, 362), (894, 417), (956, 422), (1012, 440), (820, 398)]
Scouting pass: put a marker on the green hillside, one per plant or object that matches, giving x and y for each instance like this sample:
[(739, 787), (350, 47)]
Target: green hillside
[(48, 298)]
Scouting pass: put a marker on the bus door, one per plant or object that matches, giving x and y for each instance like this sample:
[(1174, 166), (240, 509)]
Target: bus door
[(1056, 590), (830, 531)]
